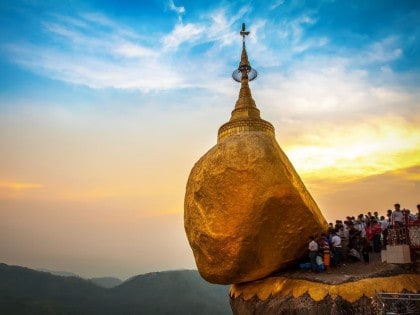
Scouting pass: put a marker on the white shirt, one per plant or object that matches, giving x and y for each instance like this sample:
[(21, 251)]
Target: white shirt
[(398, 216), (313, 246), (336, 241), (361, 227), (384, 224)]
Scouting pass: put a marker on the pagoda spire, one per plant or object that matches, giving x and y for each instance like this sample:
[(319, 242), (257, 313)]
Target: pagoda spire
[(244, 74), (246, 115)]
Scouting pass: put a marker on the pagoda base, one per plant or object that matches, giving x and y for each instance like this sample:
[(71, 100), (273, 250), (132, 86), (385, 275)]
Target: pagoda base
[(282, 295)]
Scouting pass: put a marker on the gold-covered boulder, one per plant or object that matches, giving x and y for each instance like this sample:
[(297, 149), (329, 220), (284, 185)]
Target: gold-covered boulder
[(246, 212)]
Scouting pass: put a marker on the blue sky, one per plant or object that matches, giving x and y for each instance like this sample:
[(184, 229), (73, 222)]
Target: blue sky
[(106, 105), (162, 45)]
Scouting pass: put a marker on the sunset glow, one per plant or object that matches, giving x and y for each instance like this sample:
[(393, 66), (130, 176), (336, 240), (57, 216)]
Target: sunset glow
[(106, 106)]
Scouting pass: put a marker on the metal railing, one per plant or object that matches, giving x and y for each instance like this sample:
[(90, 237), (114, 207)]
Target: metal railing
[(396, 303), (409, 235)]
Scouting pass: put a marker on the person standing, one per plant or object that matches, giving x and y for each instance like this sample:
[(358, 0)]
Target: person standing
[(337, 249), (365, 249), (343, 232), (313, 252), (397, 217), (325, 245), (384, 228), (361, 226)]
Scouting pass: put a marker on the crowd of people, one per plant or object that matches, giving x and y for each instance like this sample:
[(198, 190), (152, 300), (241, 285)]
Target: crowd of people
[(355, 238)]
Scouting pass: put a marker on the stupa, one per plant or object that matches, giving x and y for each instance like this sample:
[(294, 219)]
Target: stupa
[(247, 213)]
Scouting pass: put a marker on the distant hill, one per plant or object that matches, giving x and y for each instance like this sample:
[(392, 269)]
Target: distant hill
[(59, 273), (28, 292), (106, 282)]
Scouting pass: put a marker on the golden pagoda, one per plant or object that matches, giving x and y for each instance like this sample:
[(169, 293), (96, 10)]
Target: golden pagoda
[(247, 213)]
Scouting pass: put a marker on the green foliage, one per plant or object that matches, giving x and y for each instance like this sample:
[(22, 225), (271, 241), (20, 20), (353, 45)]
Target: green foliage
[(25, 291)]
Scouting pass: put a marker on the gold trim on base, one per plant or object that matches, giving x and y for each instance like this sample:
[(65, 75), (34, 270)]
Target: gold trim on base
[(349, 291)]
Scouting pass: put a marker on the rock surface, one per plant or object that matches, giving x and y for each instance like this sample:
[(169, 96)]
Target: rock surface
[(247, 212)]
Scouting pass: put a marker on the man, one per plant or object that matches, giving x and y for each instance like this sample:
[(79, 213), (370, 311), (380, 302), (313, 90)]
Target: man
[(376, 231), (397, 217), (337, 248), (389, 217), (325, 245), (384, 228), (361, 227), (343, 232), (313, 252)]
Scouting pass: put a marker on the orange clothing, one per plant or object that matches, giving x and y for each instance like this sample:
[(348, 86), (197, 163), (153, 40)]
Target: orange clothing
[(327, 258)]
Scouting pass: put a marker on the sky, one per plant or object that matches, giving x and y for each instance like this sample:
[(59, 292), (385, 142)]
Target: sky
[(105, 106)]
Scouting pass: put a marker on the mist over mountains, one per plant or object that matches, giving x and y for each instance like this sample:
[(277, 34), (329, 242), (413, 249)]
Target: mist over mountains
[(106, 282), (27, 291)]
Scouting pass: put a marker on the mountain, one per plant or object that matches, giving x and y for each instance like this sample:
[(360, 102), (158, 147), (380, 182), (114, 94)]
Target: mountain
[(28, 292), (59, 273), (106, 282)]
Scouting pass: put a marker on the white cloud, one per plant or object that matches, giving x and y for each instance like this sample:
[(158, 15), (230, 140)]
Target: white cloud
[(98, 19), (96, 72), (214, 27), (318, 90), (183, 33), (132, 50), (276, 4), (180, 10), (384, 50), (113, 55), (296, 26)]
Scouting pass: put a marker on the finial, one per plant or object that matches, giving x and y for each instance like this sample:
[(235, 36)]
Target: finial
[(243, 32), (244, 70)]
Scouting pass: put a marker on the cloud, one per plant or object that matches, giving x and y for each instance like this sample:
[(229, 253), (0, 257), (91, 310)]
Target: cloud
[(91, 49), (131, 50), (382, 51), (99, 57), (15, 189), (105, 24), (356, 149), (183, 33), (97, 72), (215, 26), (371, 193), (276, 4), (179, 10), (19, 186), (335, 122)]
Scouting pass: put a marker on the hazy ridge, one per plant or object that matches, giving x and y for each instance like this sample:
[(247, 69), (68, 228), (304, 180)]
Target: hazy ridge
[(27, 291)]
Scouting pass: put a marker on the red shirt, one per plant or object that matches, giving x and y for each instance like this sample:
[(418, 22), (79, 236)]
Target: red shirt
[(376, 229), (369, 232)]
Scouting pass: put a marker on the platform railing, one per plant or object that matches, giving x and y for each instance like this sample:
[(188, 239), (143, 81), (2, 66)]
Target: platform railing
[(396, 303)]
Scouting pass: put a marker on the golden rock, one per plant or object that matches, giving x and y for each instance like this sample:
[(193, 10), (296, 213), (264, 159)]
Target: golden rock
[(247, 213)]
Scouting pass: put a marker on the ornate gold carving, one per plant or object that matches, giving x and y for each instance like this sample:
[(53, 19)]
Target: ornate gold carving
[(349, 291)]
